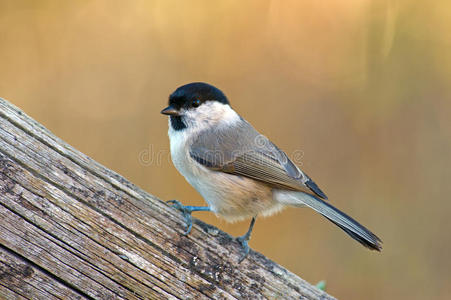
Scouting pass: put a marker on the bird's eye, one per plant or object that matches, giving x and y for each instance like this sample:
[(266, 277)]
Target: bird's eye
[(196, 103)]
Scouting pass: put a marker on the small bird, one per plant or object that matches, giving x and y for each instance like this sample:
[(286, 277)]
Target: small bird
[(238, 171)]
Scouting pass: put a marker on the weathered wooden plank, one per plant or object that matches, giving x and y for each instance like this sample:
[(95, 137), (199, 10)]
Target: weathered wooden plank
[(87, 214), (67, 227), (19, 275), (86, 229), (10, 294)]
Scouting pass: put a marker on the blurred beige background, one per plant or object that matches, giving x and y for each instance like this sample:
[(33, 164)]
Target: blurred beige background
[(361, 87)]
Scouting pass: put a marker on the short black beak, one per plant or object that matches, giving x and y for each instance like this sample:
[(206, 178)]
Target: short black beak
[(170, 111)]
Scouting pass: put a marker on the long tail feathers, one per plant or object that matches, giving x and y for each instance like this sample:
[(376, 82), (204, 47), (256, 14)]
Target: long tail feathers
[(342, 220)]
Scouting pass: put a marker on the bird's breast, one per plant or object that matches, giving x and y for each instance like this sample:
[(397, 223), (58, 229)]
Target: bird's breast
[(229, 196)]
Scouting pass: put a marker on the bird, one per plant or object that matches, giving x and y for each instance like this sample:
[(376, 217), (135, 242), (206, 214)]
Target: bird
[(239, 172)]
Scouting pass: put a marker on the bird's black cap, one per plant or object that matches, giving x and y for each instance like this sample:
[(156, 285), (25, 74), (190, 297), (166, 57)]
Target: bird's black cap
[(186, 94)]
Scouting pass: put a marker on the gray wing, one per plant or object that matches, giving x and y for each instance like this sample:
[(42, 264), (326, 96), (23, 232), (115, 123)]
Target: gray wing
[(241, 150)]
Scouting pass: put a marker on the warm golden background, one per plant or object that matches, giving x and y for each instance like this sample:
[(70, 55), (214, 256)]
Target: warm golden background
[(362, 87)]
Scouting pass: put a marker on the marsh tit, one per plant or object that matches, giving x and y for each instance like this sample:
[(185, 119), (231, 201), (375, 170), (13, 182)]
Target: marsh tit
[(238, 171)]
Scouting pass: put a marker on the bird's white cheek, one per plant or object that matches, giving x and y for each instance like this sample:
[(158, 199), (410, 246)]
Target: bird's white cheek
[(177, 144), (180, 153)]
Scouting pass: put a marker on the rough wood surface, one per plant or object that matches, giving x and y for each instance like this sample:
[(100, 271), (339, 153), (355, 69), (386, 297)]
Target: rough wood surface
[(72, 229)]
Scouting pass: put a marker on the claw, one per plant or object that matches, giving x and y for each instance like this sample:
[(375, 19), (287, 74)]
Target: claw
[(186, 214), (186, 211), (242, 240), (175, 203), (189, 223)]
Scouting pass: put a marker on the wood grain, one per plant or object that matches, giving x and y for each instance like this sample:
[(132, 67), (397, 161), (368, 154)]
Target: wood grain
[(72, 229)]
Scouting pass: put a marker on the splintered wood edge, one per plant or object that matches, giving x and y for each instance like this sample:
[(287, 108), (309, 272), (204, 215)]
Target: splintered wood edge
[(71, 228)]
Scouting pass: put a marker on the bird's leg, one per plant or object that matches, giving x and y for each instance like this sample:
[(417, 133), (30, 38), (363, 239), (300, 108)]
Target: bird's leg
[(186, 211), (245, 238)]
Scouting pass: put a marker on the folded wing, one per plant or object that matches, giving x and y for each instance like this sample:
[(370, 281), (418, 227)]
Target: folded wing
[(241, 150)]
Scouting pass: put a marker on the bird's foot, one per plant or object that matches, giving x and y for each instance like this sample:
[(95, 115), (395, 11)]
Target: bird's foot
[(244, 245), (186, 214), (244, 239), (186, 211)]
